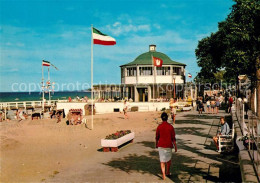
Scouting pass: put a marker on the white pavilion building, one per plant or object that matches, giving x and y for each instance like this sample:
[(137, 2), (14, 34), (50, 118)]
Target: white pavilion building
[(142, 82)]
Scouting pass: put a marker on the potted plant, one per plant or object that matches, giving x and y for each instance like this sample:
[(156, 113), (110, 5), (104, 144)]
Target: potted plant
[(113, 141), (248, 139)]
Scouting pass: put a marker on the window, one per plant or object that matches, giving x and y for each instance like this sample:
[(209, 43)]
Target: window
[(122, 72), (131, 71), (146, 71), (163, 71), (177, 70)]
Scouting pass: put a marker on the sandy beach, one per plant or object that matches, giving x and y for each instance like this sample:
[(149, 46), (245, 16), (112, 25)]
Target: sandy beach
[(38, 150)]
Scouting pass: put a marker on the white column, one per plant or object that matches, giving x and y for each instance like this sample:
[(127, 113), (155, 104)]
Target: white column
[(136, 99)]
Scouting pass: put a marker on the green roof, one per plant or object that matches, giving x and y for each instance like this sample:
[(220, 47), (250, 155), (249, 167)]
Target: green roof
[(146, 59)]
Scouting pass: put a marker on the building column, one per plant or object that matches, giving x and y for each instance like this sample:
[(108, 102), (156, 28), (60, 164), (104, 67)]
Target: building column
[(136, 99), (149, 93)]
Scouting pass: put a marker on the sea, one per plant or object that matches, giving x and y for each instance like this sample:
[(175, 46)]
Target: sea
[(37, 96)]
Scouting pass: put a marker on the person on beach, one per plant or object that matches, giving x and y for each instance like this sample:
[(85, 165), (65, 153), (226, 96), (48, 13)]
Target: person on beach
[(230, 102), (201, 106), (208, 106), (212, 105), (225, 129), (164, 141), (125, 109), (69, 99), (173, 110), (217, 105)]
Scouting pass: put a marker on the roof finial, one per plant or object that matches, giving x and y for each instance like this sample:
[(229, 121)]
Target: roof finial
[(152, 47)]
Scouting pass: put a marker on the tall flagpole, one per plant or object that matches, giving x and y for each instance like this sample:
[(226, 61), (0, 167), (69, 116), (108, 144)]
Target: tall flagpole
[(49, 84), (153, 78), (92, 100), (42, 90)]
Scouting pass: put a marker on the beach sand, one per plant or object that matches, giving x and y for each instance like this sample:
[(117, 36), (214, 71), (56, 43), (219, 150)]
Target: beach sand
[(40, 150)]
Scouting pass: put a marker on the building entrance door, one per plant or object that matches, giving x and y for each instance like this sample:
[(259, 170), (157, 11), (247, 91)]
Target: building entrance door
[(143, 94)]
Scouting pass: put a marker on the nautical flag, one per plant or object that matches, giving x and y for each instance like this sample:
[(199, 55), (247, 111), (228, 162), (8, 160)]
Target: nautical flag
[(189, 75), (46, 63), (54, 67), (102, 39), (157, 62)]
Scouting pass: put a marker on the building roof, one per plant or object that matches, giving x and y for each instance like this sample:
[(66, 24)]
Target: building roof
[(146, 59)]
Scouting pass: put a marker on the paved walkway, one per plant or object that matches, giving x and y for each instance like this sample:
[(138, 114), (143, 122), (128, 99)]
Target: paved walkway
[(195, 161)]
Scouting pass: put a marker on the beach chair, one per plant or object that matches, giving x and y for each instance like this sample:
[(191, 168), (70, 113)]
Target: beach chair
[(76, 116)]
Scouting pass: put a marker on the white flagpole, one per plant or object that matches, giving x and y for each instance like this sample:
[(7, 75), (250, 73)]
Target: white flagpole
[(49, 84), (153, 78), (92, 100), (42, 90)]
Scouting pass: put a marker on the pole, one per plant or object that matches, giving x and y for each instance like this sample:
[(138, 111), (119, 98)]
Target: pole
[(49, 84), (92, 102), (42, 90), (174, 90), (153, 67)]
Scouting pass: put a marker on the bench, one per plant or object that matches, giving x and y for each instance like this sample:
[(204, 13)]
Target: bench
[(226, 141)]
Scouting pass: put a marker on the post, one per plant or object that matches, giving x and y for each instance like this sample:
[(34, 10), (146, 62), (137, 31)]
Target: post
[(154, 70), (49, 84), (42, 90), (92, 102)]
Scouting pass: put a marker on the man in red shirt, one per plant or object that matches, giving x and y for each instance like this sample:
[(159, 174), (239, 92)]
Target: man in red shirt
[(165, 139)]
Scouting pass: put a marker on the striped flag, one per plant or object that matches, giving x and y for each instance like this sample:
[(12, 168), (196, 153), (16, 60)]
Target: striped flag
[(102, 39), (189, 75), (46, 63)]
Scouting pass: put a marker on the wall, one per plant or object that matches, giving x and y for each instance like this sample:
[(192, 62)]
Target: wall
[(103, 107)]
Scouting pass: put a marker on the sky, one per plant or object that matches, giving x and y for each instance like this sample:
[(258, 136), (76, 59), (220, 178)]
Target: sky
[(59, 31)]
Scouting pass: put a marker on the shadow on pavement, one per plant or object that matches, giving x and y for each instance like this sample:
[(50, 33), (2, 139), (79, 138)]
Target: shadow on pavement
[(190, 131), (203, 116), (192, 122)]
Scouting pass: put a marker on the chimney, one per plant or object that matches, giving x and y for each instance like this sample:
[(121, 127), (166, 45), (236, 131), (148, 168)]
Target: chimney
[(152, 47)]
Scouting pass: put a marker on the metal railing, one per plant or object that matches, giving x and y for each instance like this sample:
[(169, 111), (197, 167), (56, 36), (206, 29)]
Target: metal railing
[(251, 127)]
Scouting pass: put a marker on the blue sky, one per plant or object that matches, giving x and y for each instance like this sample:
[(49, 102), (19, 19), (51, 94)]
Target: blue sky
[(59, 31)]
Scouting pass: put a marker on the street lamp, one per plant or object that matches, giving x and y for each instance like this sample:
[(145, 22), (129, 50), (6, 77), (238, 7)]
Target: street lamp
[(174, 77)]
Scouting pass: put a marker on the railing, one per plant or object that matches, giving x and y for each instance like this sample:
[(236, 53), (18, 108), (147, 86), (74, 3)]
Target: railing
[(27, 104), (251, 128)]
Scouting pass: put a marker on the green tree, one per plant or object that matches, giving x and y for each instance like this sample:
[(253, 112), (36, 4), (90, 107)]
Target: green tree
[(235, 47)]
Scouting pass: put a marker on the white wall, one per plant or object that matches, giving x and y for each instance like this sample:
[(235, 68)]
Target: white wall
[(103, 107)]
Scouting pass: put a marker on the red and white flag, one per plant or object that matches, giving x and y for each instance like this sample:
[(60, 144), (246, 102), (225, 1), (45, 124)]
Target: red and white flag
[(102, 39), (46, 63), (157, 62), (189, 75)]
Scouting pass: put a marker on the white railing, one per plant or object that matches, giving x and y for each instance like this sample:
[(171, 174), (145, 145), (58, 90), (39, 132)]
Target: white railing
[(27, 104), (251, 128)]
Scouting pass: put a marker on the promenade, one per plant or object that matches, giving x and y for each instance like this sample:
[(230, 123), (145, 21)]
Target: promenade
[(195, 161)]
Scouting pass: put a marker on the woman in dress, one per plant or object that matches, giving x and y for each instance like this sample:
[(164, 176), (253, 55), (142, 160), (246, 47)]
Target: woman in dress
[(165, 140), (173, 110)]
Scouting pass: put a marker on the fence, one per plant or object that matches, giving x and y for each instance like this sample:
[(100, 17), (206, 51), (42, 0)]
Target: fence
[(250, 126)]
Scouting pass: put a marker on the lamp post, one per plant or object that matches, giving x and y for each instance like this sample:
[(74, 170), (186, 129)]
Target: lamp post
[(174, 77)]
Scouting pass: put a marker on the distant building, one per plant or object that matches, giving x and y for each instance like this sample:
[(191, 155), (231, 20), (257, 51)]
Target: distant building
[(143, 82)]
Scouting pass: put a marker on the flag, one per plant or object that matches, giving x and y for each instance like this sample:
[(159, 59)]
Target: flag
[(54, 67), (46, 63), (189, 75), (102, 39), (157, 62)]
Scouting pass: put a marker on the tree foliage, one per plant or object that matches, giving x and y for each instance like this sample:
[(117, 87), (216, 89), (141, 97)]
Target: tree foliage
[(235, 47)]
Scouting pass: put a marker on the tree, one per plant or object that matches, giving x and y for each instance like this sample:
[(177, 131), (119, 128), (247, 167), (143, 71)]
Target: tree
[(235, 47)]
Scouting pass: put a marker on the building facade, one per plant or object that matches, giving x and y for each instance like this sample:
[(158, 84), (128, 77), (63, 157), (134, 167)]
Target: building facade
[(143, 82)]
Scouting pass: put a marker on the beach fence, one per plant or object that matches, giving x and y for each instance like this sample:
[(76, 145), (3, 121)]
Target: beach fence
[(27, 104), (250, 127)]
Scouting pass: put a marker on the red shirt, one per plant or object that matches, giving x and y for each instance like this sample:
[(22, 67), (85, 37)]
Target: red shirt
[(165, 135)]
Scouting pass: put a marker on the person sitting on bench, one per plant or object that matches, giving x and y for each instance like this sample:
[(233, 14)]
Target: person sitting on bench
[(225, 130)]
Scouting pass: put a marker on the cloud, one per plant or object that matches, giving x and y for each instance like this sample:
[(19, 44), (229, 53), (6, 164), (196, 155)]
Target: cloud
[(118, 28)]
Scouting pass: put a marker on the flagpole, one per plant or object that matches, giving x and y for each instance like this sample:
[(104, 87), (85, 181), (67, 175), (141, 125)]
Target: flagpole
[(153, 78), (92, 100), (49, 84), (42, 90)]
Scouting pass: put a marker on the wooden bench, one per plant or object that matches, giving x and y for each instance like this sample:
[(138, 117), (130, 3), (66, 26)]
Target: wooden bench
[(226, 141)]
